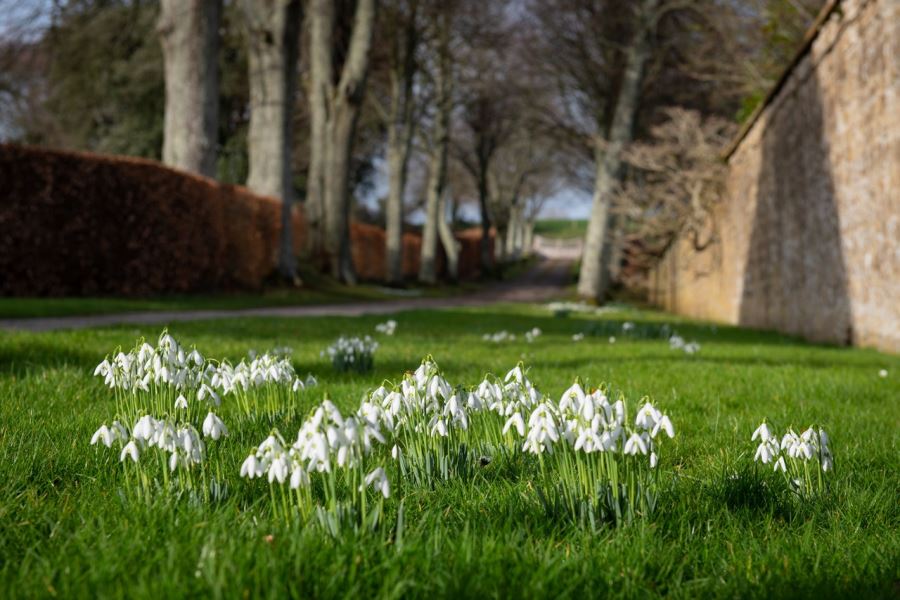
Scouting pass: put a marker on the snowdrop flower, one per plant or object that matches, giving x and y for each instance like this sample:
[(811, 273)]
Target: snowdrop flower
[(635, 445), (105, 435), (515, 421), (627, 326), (181, 402), (214, 427), (252, 467), (311, 381), (278, 469), (765, 452), (387, 328), (647, 417), (612, 339), (298, 385), (663, 424), (780, 466), (761, 432), (654, 460), (205, 391), (577, 337), (144, 428), (883, 373), (299, 477), (589, 441), (378, 479), (131, 451)]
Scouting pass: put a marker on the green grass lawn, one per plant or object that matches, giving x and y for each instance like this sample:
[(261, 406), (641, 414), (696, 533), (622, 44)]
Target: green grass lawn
[(561, 228), (67, 527), (316, 290)]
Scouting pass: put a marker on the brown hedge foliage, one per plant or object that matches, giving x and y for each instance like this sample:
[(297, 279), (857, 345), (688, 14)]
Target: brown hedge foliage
[(367, 244), (84, 224)]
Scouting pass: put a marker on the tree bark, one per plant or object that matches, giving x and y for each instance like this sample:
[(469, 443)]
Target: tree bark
[(487, 262), (189, 35), (436, 179), (448, 240), (400, 137), (273, 32), (438, 162), (321, 22), (608, 157), (342, 104), (528, 238)]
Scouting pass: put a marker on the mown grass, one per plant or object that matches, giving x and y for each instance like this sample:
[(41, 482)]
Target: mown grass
[(67, 529), (561, 228), (316, 289)]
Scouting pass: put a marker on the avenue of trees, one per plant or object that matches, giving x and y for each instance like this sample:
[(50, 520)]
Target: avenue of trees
[(477, 110)]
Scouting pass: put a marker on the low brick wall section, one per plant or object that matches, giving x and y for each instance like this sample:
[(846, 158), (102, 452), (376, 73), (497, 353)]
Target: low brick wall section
[(807, 238), (81, 224)]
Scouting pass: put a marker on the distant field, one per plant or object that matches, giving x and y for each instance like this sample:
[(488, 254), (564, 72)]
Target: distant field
[(561, 228)]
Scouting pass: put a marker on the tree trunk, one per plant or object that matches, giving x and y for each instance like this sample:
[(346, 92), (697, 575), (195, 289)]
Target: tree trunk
[(487, 262), (608, 158), (321, 23), (273, 32), (400, 137), (189, 35), (528, 238), (438, 163), (436, 177), (342, 104), (448, 240), (341, 129)]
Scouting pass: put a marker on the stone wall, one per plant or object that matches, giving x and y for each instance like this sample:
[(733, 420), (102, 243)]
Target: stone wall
[(807, 238)]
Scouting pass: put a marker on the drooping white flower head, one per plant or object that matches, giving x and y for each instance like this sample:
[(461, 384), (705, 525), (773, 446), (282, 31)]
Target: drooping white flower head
[(378, 480), (213, 427), (635, 445), (130, 451), (761, 432)]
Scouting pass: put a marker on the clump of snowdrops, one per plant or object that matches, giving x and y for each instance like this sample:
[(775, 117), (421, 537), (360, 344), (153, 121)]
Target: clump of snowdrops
[(167, 398), (171, 447), (505, 336), (329, 472), (387, 328), (594, 462), (804, 459), (352, 354), (676, 342), (168, 377)]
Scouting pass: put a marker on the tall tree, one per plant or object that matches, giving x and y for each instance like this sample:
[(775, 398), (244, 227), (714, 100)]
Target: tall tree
[(189, 33), (608, 150), (439, 144), (334, 109), (402, 30), (273, 38)]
